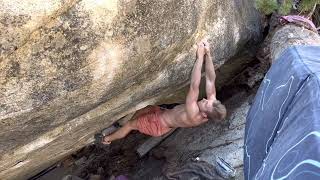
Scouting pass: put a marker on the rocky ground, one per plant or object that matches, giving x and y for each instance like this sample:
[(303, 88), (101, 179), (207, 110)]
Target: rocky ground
[(206, 142)]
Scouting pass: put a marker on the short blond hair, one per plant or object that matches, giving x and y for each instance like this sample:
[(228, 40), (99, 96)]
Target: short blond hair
[(218, 112)]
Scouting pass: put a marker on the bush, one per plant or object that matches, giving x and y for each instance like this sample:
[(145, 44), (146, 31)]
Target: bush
[(285, 7), (307, 5), (269, 6)]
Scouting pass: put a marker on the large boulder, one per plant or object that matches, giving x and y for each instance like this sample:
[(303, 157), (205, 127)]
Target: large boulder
[(68, 68)]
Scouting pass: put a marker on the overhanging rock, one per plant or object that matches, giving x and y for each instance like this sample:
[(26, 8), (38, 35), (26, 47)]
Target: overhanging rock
[(68, 68)]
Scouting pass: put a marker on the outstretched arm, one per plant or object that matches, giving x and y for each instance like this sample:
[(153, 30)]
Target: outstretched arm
[(210, 74), (192, 97)]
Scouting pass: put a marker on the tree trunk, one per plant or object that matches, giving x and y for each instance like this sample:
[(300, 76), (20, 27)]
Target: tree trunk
[(290, 35)]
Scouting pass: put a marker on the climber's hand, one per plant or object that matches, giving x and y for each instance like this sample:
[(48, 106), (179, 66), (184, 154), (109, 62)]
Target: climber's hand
[(206, 47), (200, 50)]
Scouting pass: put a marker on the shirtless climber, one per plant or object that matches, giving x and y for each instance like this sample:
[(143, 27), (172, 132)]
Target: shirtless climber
[(156, 121)]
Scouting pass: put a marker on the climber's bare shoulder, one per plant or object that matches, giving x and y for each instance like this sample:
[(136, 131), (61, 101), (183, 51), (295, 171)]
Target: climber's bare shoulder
[(177, 117)]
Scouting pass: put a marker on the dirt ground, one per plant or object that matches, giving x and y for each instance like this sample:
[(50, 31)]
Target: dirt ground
[(206, 142)]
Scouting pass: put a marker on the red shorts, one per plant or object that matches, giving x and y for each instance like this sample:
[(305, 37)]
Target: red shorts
[(151, 123)]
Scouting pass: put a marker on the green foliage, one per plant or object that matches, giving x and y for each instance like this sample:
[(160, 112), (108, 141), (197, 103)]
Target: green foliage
[(285, 7), (267, 6), (307, 5), (270, 6)]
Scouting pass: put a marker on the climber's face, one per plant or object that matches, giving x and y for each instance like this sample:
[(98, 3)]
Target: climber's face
[(204, 105)]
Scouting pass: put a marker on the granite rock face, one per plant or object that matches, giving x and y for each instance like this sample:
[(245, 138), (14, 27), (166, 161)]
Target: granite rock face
[(68, 68)]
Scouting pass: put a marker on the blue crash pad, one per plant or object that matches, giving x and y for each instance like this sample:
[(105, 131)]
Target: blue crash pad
[(282, 138)]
